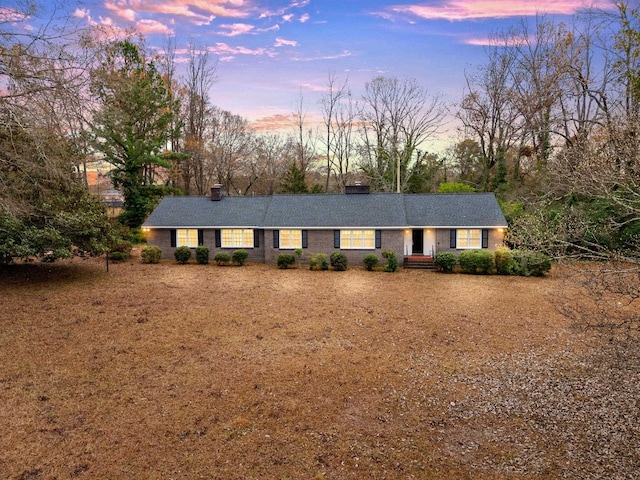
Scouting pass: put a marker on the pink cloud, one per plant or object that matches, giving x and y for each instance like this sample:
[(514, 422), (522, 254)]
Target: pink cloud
[(126, 13), (147, 26), (493, 42), (234, 29), (475, 9), (281, 12), (343, 54), (281, 42), (11, 15), (228, 52), (304, 18), (275, 122), (81, 13), (189, 8)]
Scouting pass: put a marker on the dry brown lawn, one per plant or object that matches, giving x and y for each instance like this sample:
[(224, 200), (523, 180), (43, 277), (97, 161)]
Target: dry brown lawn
[(182, 372)]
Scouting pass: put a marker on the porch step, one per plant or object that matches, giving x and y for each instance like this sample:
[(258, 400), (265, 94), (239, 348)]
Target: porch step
[(419, 261)]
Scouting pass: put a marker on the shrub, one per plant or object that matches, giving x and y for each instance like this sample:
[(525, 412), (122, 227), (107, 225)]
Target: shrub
[(113, 256), (530, 263), (392, 261), (539, 264), (150, 255), (370, 261), (285, 260), (505, 263), (222, 258), (136, 236), (446, 262), (455, 187), (120, 251), (239, 256), (182, 254), (338, 261), (319, 260), (298, 252), (202, 255), (476, 262)]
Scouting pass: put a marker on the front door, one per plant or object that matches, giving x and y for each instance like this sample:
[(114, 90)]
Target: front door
[(429, 243), (418, 242)]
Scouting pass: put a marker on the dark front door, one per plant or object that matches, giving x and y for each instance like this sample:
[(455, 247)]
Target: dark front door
[(418, 242)]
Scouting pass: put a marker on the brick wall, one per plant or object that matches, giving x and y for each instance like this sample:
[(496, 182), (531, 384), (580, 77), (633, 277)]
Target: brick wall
[(321, 241), (496, 238), (162, 238)]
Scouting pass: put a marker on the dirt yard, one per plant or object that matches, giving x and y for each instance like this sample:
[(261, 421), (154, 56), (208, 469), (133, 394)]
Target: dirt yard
[(183, 372)]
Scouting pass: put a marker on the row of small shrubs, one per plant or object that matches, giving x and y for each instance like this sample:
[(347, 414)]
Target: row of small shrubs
[(318, 261), (238, 257), (339, 261), (182, 255), (502, 262)]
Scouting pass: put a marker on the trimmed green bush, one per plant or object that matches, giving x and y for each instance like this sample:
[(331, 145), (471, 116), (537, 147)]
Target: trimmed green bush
[(370, 261), (318, 261), (182, 254), (285, 260), (202, 255), (120, 251), (338, 261), (150, 255), (446, 262), (529, 263), (392, 261), (113, 256), (505, 263), (239, 257), (222, 258), (476, 262)]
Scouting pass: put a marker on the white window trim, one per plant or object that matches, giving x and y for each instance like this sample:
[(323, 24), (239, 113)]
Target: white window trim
[(290, 247), (343, 247), (249, 244), (187, 231), (468, 238)]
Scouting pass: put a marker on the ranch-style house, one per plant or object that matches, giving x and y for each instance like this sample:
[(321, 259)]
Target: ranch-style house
[(356, 222)]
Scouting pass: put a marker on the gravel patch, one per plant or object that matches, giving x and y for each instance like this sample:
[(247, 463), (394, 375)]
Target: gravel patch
[(576, 413)]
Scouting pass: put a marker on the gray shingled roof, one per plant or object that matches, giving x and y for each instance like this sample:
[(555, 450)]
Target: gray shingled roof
[(454, 210), (203, 212), (336, 210), (376, 210)]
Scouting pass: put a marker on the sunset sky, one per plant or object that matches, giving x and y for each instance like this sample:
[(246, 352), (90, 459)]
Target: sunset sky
[(272, 52)]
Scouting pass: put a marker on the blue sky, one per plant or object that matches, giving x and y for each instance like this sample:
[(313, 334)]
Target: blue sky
[(272, 52)]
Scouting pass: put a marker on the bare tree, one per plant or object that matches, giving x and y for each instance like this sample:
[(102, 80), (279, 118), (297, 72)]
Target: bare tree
[(271, 155), (397, 116), (541, 62), (201, 72), (339, 115), (488, 113), (304, 138), (229, 145)]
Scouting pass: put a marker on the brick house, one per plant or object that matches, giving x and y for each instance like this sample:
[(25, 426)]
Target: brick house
[(356, 223)]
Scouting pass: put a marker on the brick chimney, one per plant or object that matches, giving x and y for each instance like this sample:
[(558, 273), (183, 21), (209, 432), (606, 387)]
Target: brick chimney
[(216, 192), (357, 188)]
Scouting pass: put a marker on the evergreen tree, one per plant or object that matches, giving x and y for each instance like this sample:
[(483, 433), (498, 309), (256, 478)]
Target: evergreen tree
[(293, 181), (132, 126), (45, 209)]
